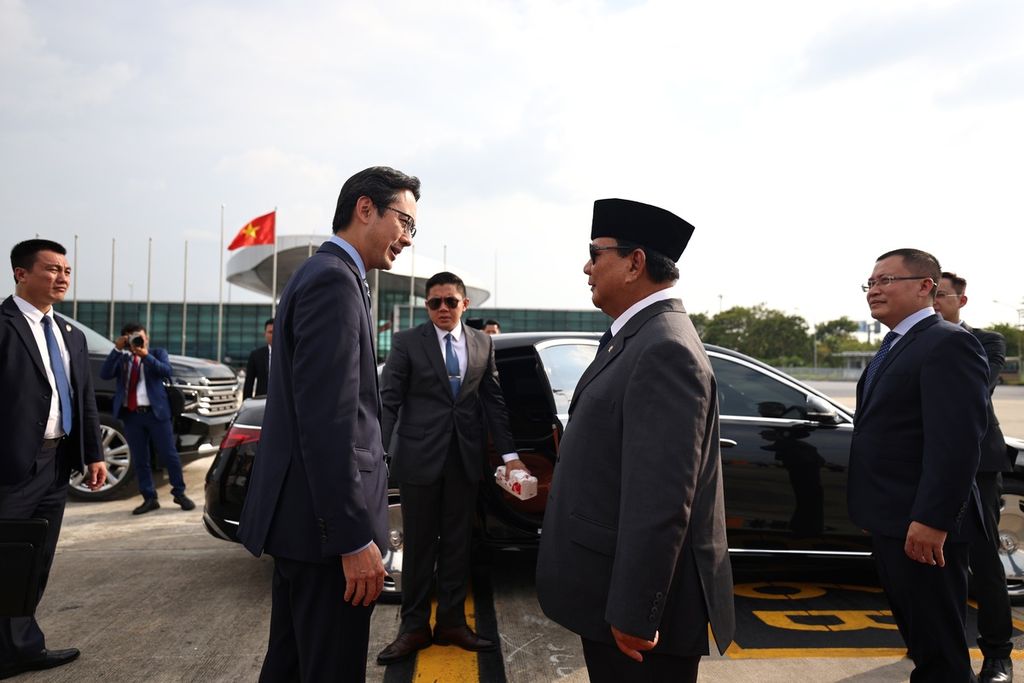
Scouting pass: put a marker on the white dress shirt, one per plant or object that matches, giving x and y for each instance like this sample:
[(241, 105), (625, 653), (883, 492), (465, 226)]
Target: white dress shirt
[(35, 323), (141, 395), (914, 318), (660, 295)]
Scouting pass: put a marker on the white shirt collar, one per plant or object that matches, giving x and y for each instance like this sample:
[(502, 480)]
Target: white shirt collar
[(907, 323), (660, 295), (456, 333), (31, 311)]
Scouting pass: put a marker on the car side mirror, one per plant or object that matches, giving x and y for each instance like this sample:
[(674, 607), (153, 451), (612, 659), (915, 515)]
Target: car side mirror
[(819, 410)]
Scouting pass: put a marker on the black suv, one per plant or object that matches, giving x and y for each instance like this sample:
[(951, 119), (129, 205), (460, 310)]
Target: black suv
[(205, 395)]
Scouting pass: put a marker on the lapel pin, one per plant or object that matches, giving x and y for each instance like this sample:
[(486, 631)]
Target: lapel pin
[(67, 327)]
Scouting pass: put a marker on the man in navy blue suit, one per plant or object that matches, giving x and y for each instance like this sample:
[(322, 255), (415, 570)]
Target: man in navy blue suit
[(317, 498), (921, 414), (49, 424), (140, 402)]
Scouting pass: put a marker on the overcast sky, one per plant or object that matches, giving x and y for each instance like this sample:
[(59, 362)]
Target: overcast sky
[(802, 139)]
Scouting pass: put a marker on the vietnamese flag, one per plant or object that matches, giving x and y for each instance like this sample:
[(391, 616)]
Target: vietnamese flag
[(258, 231)]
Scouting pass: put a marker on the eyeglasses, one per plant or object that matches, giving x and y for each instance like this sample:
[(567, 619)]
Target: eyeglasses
[(887, 280), (942, 294), (407, 221), (595, 250), (434, 303)]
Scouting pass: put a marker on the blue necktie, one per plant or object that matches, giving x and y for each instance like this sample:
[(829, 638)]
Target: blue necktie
[(876, 362), (451, 364), (57, 365)]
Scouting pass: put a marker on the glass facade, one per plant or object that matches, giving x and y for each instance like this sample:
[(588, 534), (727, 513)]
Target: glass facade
[(243, 323)]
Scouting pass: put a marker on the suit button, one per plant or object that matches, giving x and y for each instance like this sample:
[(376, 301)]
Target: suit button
[(323, 539), (659, 595)]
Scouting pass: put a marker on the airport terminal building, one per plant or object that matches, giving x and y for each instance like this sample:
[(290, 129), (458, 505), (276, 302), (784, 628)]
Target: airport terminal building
[(191, 329)]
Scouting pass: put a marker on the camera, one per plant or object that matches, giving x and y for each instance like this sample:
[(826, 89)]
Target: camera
[(137, 341)]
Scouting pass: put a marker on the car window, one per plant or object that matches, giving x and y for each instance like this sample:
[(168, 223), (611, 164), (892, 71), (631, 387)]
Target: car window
[(746, 392), (564, 365), (97, 342)]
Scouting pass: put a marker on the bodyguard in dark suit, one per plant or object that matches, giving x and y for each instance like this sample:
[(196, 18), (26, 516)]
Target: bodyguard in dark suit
[(317, 499), (633, 554), (140, 402), (921, 414), (441, 396), (995, 625), (257, 369), (49, 424)]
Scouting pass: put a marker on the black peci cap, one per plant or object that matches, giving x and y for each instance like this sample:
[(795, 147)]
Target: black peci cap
[(649, 226)]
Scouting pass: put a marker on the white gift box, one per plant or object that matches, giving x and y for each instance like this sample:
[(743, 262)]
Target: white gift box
[(520, 484)]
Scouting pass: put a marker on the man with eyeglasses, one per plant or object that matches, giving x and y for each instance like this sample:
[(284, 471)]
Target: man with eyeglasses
[(441, 396), (633, 554), (995, 624), (921, 414), (317, 498)]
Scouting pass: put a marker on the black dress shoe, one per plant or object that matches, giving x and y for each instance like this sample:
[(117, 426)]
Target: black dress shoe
[(404, 647), (185, 502), (47, 659), (995, 670), (464, 637), (148, 505)]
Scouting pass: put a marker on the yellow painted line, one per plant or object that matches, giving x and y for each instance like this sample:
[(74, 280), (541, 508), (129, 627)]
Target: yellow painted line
[(448, 662)]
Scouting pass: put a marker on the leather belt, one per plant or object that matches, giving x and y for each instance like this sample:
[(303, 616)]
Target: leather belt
[(52, 443), (143, 409)]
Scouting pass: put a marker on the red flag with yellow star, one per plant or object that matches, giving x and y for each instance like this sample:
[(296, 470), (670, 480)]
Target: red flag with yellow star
[(257, 231)]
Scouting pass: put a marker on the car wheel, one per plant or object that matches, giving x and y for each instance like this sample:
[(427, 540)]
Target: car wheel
[(395, 550), (119, 465), (1011, 536)]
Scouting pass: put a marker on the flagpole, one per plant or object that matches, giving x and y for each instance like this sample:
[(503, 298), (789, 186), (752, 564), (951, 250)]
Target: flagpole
[(220, 289), (74, 282), (184, 302), (113, 247), (149, 283), (273, 277)]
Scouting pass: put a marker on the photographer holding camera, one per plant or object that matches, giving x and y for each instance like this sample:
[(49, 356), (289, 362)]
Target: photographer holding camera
[(140, 402)]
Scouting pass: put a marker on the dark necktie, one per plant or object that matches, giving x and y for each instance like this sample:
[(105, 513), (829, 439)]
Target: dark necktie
[(451, 364), (133, 385), (879, 358), (59, 375), (605, 338)]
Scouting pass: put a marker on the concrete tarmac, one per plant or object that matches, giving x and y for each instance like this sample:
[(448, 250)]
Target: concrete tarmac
[(155, 598)]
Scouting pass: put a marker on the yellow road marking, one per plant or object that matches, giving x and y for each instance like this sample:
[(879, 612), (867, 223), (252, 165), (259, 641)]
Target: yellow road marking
[(448, 663), (849, 619)]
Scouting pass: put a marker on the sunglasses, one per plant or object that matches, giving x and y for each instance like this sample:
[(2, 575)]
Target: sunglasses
[(434, 303)]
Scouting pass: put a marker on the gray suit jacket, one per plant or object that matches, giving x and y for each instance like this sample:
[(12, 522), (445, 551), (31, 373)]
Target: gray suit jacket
[(634, 532), (418, 406)]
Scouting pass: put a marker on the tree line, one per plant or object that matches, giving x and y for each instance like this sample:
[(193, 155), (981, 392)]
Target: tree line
[(785, 340)]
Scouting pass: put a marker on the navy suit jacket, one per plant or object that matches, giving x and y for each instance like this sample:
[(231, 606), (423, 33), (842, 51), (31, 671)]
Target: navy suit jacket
[(318, 488), (156, 367), (916, 434), (25, 399)]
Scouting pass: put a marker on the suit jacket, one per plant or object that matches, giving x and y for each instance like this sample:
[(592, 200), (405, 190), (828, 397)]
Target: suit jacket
[(156, 367), (318, 488), (634, 531), (25, 401), (256, 372), (916, 434), (419, 406), (994, 456)]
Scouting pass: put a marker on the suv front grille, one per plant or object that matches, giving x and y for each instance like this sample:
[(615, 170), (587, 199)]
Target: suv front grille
[(212, 397)]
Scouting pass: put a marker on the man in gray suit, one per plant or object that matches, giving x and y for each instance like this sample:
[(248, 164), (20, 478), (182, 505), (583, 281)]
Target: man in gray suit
[(633, 554), (440, 392)]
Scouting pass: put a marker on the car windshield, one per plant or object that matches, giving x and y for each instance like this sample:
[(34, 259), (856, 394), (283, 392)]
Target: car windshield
[(96, 341), (564, 363)]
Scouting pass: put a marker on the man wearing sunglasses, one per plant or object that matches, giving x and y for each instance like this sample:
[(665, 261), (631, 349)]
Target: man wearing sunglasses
[(441, 396), (633, 555), (921, 414)]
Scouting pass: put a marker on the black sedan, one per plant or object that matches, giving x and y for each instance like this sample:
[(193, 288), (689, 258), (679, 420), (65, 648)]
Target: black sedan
[(785, 448)]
